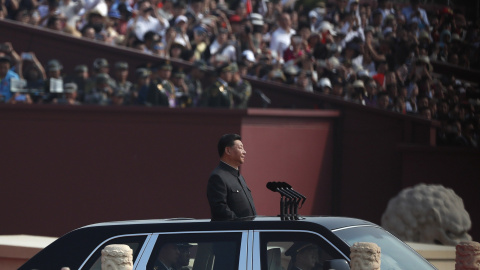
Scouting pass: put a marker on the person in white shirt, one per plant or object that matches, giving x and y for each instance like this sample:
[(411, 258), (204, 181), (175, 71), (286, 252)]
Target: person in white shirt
[(221, 46), (145, 22), (181, 24), (281, 37)]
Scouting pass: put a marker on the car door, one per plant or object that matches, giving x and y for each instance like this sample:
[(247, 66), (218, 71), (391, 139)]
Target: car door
[(277, 250), (194, 250)]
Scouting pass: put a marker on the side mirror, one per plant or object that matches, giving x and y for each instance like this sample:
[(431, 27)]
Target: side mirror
[(337, 264)]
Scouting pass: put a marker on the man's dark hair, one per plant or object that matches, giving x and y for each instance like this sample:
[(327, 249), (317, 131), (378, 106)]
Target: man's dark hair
[(227, 140)]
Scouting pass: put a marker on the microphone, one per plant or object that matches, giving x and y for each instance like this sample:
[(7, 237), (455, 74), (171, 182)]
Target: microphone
[(289, 187)]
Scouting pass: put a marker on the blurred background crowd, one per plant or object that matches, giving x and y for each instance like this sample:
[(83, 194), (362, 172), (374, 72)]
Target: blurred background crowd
[(376, 53)]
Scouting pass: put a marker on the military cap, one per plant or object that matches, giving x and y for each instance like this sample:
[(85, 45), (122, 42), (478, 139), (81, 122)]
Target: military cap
[(234, 67), (70, 87), (102, 78), (142, 72), (165, 65), (81, 68), (225, 68), (200, 64), (100, 62), (121, 65), (178, 73), (54, 65)]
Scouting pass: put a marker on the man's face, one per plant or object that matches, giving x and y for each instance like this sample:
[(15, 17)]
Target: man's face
[(236, 153), (383, 102), (169, 254), (307, 258), (184, 258), (4, 67), (285, 21)]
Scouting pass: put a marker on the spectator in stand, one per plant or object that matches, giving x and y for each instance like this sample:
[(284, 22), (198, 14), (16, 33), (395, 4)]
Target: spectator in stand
[(411, 102), (383, 101), (200, 43), (150, 39), (70, 10), (179, 9), (166, 10), (413, 13), (5, 76), (88, 32), (281, 37), (181, 37), (222, 46), (34, 74), (146, 20)]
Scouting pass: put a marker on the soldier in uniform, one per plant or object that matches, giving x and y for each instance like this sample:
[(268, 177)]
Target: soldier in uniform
[(242, 90), (161, 90), (121, 86), (219, 94), (194, 81), (182, 94), (140, 89), (100, 66)]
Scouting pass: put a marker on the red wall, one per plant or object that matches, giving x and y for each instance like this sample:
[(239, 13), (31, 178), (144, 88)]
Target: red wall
[(65, 167)]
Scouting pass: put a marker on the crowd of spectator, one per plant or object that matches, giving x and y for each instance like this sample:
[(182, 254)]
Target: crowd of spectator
[(375, 53)]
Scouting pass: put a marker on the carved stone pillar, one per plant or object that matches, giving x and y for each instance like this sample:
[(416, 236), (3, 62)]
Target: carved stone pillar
[(467, 256), (117, 257), (365, 256)]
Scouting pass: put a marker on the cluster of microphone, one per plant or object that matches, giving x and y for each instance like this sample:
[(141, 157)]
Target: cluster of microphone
[(290, 200)]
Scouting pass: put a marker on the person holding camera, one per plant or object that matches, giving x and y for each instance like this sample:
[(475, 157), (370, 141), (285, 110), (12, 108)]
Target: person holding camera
[(413, 12), (146, 20)]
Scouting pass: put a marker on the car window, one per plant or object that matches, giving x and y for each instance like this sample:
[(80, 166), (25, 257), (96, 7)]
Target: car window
[(134, 242), (285, 250), (206, 251)]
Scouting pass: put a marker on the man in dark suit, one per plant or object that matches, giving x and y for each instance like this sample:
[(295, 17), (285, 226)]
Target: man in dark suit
[(167, 257), (227, 193), (304, 256)]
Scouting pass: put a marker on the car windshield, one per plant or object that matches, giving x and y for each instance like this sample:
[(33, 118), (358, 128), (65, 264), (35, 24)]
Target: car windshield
[(394, 253)]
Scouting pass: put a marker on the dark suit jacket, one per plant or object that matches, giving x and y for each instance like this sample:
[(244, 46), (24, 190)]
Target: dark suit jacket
[(228, 194)]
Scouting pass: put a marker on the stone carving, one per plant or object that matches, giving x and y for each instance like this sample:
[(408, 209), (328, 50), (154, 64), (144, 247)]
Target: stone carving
[(428, 214), (365, 256), (467, 256), (117, 257)]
